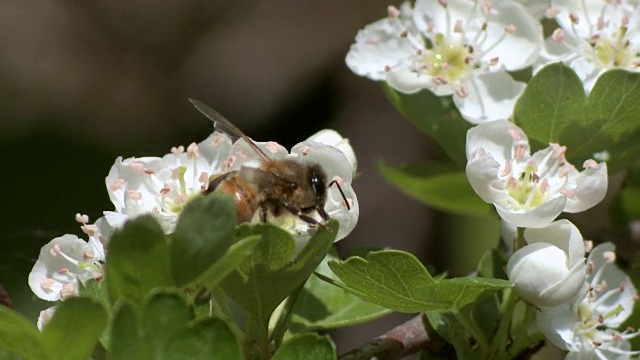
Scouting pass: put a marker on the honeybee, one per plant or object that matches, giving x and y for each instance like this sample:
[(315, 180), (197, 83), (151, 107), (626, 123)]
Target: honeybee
[(275, 186)]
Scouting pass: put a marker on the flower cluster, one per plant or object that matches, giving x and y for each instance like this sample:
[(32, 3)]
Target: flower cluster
[(578, 311), (162, 186), (458, 48)]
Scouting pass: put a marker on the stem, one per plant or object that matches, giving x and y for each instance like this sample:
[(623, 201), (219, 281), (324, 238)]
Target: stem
[(524, 343), (401, 341), (223, 304), (519, 241), (263, 342), (285, 317), (507, 307), (474, 331)]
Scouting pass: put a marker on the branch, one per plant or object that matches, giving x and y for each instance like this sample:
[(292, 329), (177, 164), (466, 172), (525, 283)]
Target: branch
[(4, 298), (396, 343)]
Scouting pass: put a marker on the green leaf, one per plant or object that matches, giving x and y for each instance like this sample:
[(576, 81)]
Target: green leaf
[(74, 329), (439, 186), (127, 342), (138, 260), (165, 314), (554, 108), (207, 339), (308, 347), (322, 305), (97, 290), (552, 100), (491, 265), (20, 335), (164, 330), (611, 115), (233, 257), (398, 281), (435, 117), (203, 234), (271, 273), (448, 327)]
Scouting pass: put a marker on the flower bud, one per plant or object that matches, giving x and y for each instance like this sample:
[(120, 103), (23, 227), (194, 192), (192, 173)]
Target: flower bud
[(550, 270)]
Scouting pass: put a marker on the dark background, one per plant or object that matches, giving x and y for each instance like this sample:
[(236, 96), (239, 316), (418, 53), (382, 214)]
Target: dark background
[(82, 82)]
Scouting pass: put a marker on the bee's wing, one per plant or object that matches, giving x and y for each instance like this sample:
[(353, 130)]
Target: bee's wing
[(225, 126)]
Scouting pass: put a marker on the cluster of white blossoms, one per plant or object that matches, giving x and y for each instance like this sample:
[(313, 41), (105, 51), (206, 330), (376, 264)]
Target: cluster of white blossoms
[(465, 48), (581, 303), (162, 186)]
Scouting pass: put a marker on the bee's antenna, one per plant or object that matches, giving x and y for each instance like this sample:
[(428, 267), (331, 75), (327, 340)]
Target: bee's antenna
[(341, 193)]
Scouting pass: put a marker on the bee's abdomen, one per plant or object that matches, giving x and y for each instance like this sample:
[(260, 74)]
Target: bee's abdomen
[(243, 194)]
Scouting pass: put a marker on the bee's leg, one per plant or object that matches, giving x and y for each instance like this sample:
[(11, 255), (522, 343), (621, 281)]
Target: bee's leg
[(306, 218), (323, 213), (263, 214)]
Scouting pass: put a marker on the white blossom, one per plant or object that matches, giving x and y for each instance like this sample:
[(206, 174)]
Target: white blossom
[(459, 48), (67, 261), (588, 326), (594, 36), (528, 190), (550, 269)]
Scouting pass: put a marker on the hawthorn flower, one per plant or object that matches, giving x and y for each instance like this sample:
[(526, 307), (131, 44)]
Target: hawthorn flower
[(588, 325), (528, 190), (550, 269), (67, 260), (162, 186), (594, 36), (459, 48)]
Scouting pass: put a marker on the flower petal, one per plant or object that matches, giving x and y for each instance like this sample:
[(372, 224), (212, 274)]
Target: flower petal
[(496, 138), (591, 189), (491, 96), (535, 218), (334, 139)]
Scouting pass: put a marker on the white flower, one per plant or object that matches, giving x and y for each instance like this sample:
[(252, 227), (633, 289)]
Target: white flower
[(162, 186), (460, 48), (45, 316), (528, 191), (550, 269), (67, 260), (588, 326), (594, 36)]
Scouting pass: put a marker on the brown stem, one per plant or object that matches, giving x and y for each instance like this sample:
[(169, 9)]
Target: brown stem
[(404, 339), (4, 298)]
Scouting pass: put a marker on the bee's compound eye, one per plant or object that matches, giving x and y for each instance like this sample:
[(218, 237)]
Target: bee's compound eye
[(318, 185), (293, 185)]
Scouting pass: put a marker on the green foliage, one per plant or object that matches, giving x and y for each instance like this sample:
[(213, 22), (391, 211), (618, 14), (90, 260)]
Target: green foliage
[(203, 234), (78, 321), (554, 108), (273, 271), (71, 333), (435, 117), (397, 280), (20, 335), (308, 347), (438, 185), (138, 260), (322, 305), (165, 329)]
